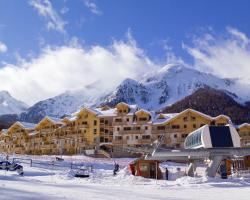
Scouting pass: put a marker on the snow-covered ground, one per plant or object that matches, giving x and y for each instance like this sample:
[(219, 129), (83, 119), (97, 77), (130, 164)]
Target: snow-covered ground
[(57, 182)]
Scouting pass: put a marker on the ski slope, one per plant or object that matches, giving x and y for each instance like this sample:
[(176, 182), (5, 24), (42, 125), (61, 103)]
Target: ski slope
[(57, 182)]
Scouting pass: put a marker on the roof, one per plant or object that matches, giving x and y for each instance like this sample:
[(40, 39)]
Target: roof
[(112, 112), (171, 116), (94, 111), (167, 117), (225, 116), (4, 131), (143, 110), (52, 119), (133, 109), (55, 120), (242, 125), (27, 125)]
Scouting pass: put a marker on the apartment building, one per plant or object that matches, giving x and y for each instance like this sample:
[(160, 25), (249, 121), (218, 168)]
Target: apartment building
[(123, 125), (244, 132), (173, 128)]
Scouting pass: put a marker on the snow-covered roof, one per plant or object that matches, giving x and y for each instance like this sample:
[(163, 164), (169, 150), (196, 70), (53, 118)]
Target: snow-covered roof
[(33, 133), (55, 120), (166, 117), (108, 113), (242, 125), (27, 125), (52, 119), (143, 110), (132, 109), (219, 116), (94, 111), (4, 131), (171, 116)]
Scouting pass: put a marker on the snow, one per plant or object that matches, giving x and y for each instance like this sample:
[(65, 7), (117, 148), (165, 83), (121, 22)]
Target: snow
[(172, 83), (153, 91), (9, 105), (58, 182)]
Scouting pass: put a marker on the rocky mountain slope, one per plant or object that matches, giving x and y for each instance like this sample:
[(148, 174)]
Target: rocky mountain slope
[(170, 84), (213, 102)]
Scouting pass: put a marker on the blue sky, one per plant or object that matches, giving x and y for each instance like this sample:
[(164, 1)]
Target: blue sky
[(151, 31)]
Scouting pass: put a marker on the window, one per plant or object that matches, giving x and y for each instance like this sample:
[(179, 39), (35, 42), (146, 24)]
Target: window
[(136, 137), (146, 137), (137, 128), (127, 128), (106, 122), (143, 167), (118, 120), (95, 122), (194, 125), (127, 119), (160, 127), (124, 111), (118, 129), (127, 137), (185, 125), (185, 119), (194, 139), (175, 135), (175, 126), (143, 119), (95, 131), (106, 130), (193, 118), (118, 137), (146, 128), (202, 125), (101, 120)]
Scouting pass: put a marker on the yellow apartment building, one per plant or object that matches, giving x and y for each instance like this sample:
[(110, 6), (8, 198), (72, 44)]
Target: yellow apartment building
[(244, 132), (174, 127)]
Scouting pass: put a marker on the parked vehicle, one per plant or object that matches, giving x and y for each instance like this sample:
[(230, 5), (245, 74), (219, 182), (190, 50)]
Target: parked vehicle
[(6, 165), (82, 172)]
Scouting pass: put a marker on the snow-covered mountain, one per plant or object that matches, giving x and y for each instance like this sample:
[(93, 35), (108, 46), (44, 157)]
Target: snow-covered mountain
[(170, 84), (63, 104), (154, 91), (9, 105)]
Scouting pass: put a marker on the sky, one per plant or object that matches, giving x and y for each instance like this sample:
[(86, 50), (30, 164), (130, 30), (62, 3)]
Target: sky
[(48, 47)]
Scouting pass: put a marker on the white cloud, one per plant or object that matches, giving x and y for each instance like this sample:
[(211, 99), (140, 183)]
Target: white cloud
[(45, 9), (3, 47), (74, 67), (226, 55), (92, 7)]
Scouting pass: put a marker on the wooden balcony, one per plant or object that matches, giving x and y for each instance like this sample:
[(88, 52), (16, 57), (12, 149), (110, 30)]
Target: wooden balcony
[(83, 126), (119, 142), (132, 131), (144, 141)]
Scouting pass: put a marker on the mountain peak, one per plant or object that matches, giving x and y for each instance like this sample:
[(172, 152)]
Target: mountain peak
[(5, 93), (10, 105)]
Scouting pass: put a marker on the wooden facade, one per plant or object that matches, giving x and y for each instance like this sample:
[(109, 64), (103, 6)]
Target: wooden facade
[(123, 125)]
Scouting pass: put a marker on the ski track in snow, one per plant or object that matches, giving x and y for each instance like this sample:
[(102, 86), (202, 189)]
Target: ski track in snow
[(57, 182)]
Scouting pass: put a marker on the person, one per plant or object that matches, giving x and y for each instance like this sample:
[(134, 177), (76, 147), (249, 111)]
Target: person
[(166, 173), (116, 168)]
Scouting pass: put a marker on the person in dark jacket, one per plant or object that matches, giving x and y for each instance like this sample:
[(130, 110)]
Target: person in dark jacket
[(116, 168), (166, 173)]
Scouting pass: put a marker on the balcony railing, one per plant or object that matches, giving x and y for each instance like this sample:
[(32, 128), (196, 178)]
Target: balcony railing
[(132, 131), (119, 142)]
